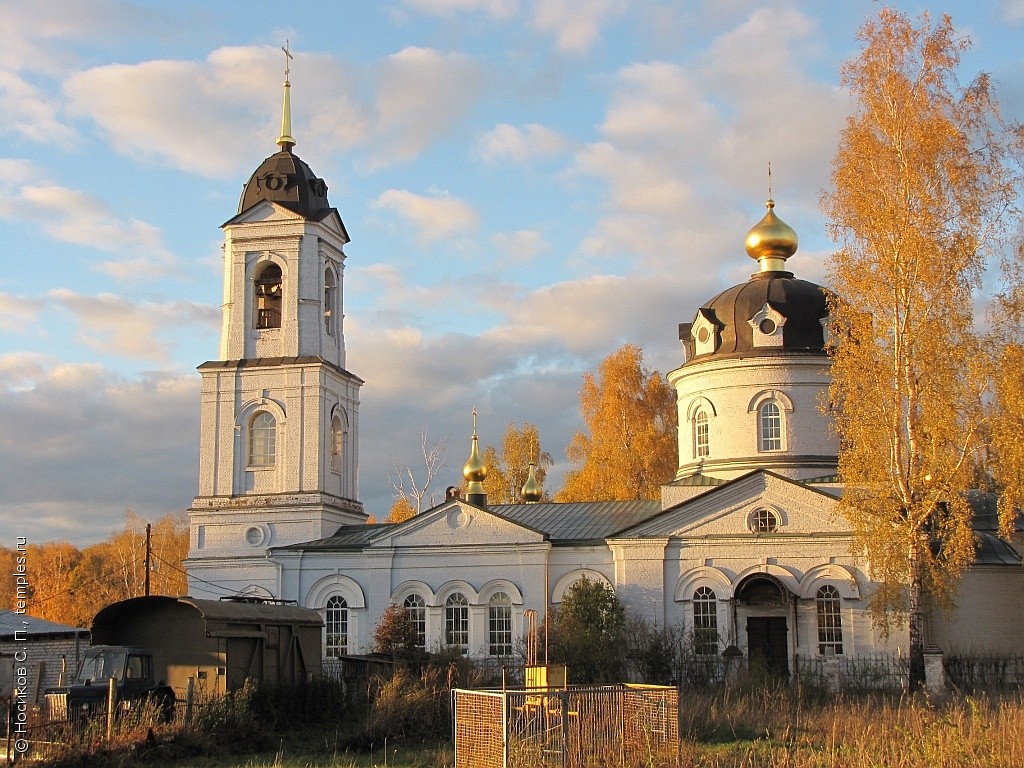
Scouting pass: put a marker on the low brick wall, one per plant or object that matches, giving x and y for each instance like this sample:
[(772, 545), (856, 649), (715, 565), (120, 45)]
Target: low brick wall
[(43, 656)]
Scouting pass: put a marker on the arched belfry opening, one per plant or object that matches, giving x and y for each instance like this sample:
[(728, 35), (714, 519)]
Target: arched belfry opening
[(268, 297)]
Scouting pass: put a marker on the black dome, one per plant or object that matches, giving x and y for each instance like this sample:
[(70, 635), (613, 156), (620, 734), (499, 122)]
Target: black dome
[(286, 180), (803, 305)]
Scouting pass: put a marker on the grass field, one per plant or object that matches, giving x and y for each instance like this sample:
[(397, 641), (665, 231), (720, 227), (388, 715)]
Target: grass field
[(753, 728)]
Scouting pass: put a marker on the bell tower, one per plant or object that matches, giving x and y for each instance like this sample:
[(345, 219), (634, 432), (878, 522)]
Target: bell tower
[(279, 422)]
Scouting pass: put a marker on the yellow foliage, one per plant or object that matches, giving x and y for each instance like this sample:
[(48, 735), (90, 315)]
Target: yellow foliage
[(922, 184), (507, 473), (401, 510), (69, 586), (629, 448)]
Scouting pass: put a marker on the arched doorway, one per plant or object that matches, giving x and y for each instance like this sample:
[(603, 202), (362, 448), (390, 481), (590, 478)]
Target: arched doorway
[(766, 604)]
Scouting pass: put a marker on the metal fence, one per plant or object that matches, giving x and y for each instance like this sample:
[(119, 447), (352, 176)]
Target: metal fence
[(867, 672), (567, 727), (986, 673)]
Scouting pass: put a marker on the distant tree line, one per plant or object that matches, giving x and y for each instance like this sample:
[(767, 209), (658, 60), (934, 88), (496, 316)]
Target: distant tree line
[(69, 585)]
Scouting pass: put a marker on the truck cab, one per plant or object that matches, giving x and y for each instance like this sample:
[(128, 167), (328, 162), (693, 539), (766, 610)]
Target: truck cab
[(132, 670)]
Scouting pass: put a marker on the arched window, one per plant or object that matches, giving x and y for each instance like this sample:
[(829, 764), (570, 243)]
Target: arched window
[(262, 440), (764, 521), (337, 443), (705, 622), (336, 621), (701, 435), (268, 297), (830, 622), (499, 625), (417, 610), (330, 301), (456, 621), (769, 421)]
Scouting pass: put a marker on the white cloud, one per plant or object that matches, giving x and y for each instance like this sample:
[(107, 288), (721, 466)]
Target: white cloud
[(522, 246), (433, 218), (512, 144), (420, 94), (73, 216), (1012, 10), (575, 24), (499, 9), (31, 115), (81, 445), (18, 313), (114, 325)]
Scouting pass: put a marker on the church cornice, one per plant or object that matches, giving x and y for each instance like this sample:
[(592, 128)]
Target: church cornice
[(274, 362)]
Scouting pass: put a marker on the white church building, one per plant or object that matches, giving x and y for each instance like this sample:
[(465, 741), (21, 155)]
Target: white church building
[(744, 547)]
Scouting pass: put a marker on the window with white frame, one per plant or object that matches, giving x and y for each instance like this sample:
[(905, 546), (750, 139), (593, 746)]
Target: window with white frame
[(705, 622), (262, 440), (330, 301), (499, 625), (337, 443), (336, 627), (830, 621), (701, 435), (456, 621), (770, 426), (416, 608)]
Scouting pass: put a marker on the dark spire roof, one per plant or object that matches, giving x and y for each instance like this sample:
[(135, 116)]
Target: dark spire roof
[(803, 305), (283, 178)]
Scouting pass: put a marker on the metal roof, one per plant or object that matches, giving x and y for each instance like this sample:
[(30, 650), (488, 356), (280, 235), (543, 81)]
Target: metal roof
[(579, 521), (346, 537), (216, 611), (11, 622)]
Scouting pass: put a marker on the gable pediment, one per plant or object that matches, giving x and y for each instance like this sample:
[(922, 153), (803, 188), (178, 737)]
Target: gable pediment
[(458, 524), (733, 509), (267, 211)]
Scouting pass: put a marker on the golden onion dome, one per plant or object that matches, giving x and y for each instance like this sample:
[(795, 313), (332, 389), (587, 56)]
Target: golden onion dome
[(475, 470), (771, 241), (532, 491)]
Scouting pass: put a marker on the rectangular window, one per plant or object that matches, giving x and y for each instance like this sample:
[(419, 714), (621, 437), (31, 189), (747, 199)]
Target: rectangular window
[(456, 622), (499, 629), (830, 622), (705, 622), (336, 621)]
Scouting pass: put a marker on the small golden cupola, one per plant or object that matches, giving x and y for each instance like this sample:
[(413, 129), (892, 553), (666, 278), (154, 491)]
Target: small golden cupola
[(771, 241), (532, 491), (475, 472)]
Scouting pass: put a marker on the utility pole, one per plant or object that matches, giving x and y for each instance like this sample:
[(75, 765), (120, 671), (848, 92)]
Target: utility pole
[(149, 553)]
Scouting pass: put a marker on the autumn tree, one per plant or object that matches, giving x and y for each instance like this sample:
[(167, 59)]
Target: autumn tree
[(395, 631), (629, 448), (507, 472), (923, 188), (69, 586), (401, 510)]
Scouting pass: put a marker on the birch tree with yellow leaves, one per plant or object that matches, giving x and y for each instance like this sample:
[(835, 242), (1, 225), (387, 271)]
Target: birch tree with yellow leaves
[(508, 470), (924, 193), (629, 448)]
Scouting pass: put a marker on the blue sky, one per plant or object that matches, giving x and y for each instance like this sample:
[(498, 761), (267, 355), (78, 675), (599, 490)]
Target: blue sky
[(528, 184)]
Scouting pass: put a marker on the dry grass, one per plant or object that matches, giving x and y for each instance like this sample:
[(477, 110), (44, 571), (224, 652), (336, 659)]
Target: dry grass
[(777, 728), (739, 728)]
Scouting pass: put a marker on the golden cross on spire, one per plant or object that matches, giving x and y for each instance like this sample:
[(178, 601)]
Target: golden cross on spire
[(769, 179), (474, 421), (287, 60), (285, 140)]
